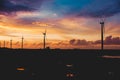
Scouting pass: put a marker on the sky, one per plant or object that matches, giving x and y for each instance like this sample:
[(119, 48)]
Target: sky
[(69, 23)]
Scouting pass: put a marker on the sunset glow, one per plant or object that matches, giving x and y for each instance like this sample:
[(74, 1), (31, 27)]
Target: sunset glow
[(69, 23)]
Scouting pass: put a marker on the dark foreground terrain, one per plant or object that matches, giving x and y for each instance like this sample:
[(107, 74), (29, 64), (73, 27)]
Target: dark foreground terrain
[(59, 65)]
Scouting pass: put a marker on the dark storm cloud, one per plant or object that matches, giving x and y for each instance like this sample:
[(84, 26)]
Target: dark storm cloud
[(7, 6)]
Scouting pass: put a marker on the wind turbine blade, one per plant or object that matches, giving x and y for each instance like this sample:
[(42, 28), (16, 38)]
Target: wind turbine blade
[(45, 31), (104, 31)]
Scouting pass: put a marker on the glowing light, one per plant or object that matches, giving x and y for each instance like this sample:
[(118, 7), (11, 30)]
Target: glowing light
[(107, 56), (69, 65), (70, 75), (20, 68)]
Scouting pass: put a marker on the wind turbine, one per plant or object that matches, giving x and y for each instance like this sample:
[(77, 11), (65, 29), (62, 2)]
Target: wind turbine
[(22, 39), (4, 43), (102, 22), (11, 43), (44, 39), (0, 44)]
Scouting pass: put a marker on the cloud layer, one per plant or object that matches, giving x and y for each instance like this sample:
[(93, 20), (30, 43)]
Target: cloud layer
[(112, 40), (109, 40), (7, 7), (66, 20), (82, 8), (89, 8), (101, 8)]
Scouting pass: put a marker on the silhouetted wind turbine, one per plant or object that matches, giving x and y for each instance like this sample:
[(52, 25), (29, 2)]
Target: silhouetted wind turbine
[(102, 33), (44, 39), (11, 43), (4, 43), (0, 44), (22, 39)]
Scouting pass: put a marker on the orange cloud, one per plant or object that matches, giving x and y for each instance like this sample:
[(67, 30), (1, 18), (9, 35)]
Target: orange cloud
[(59, 31)]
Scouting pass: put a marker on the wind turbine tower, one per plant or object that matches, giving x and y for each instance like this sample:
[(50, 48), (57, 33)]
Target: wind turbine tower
[(11, 43), (22, 42), (102, 33), (4, 43), (0, 44), (44, 40)]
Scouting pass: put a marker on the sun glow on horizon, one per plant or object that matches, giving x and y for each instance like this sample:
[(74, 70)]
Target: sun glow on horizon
[(67, 26)]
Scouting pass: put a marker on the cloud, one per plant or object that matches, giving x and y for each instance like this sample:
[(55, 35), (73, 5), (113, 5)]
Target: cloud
[(17, 43), (112, 40), (72, 41), (4, 32), (82, 8), (101, 8), (79, 42), (109, 40), (33, 3), (61, 43), (97, 42), (88, 8), (7, 7)]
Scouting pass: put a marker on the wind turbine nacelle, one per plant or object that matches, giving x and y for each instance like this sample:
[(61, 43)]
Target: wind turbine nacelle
[(44, 33), (101, 22)]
